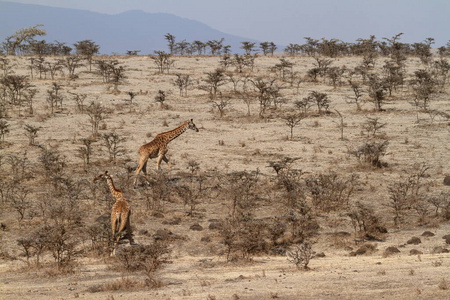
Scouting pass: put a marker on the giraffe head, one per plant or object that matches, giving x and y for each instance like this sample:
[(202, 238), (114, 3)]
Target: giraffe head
[(191, 125), (102, 176)]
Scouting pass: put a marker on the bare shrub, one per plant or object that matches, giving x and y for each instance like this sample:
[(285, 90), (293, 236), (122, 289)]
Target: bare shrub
[(161, 98), (183, 82), (4, 129), (320, 100), (241, 188), (357, 91), (84, 152), (372, 127), (99, 234), (405, 195), (301, 222), (31, 132), (57, 240), (213, 81), (157, 190), (193, 188), (146, 258), (54, 97), (377, 89), (330, 192), (62, 246), (243, 237), (96, 113), (301, 255), (365, 223), (113, 143), (292, 121), (20, 201), (289, 179), (163, 61), (371, 153)]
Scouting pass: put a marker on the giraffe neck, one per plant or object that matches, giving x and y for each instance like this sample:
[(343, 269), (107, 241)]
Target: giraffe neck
[(116, 193), (173, 134)]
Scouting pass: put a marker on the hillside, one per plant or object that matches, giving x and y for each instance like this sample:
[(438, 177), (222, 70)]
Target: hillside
[(131, 30)]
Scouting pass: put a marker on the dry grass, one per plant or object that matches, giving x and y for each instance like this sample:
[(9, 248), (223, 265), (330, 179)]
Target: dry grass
[(236, 182)]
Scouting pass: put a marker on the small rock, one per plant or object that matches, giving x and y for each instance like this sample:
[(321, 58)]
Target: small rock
[(158, 215), (321, 254), (143, 232), (206, 239), (447, 180), (390, 250), (439, 249), (196, 227), (215, 226), (415, 252), (366, 248), (162, 234), (174, 221), (414, 240), (427, 233)]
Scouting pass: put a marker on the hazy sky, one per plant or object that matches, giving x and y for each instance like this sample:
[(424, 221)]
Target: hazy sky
[(289, 21)]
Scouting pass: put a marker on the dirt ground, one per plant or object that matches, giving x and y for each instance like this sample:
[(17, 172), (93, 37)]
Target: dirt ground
[(236, 142)]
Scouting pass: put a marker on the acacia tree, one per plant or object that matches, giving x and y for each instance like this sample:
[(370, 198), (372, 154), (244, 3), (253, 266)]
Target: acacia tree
[(265, 92), (15, 86), (88, 49), (162, 61), (182, 82), (293, 120), (71, 62), (22, 36), (213, 81), (377, 89), (171, 42), (96, 112), (248, 47), (424, 86), (320, 99)]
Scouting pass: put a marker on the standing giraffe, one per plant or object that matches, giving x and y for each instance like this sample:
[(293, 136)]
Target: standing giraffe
[(120, 212), (158, 147)]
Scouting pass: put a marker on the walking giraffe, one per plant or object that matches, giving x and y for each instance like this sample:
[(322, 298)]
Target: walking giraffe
[(120, 212), (158, 147)]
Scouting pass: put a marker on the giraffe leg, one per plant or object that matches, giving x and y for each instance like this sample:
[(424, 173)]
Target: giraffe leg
[(115, 234), (129, 231), (166, 160), (158, 162), (142, 167), (116, 243)]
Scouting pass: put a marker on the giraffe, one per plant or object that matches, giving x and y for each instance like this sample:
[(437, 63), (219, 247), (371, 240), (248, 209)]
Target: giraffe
[(120, 212), (158, 147)]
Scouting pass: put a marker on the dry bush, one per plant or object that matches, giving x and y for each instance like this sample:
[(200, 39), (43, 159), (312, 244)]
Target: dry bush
[(405, 196), (301, 255), (243, 237), (113, 143), (365, 223), (301, 222), (242, 190), (192, 187), (99, 233), (331, 192), (158, 189), (371, 153), (146, 258), (58, 240)]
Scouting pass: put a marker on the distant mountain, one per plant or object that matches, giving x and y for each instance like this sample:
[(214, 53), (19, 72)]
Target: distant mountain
[(131, 30)]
